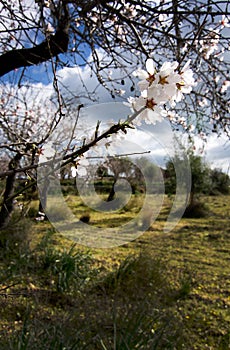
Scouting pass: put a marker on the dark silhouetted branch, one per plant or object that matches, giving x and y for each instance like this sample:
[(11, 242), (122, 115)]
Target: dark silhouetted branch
[(51, 47)]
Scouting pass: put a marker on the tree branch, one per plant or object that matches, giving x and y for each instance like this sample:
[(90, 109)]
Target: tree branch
[(68, 158), (51, 47)]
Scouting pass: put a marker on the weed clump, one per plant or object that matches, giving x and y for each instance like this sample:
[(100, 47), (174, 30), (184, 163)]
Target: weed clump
[(85, 218), (196, 209)]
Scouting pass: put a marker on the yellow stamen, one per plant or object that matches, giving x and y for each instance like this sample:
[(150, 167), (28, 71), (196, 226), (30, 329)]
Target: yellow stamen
[(150, 104), (179, 85), (163, 80), (151, 79)]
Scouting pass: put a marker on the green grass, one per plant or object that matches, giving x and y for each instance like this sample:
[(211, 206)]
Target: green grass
[(161, 291)]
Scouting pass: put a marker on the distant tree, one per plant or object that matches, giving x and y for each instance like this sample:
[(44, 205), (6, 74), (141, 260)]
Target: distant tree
[(119, 167), (138, 172), (146, 172), (26, 121), (200, 176), (200, 179), (102, 171), (220, 182)]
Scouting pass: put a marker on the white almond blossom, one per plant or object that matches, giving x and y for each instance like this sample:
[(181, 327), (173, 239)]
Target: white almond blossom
[(152, 111), (224, 22), (203, 102), (163, 19), (185, 85), (147, 76), (161, 93), (210, 44), (168, 68), (153, 115), (158, 88), (187, 78), (164, 86), (225, 86)]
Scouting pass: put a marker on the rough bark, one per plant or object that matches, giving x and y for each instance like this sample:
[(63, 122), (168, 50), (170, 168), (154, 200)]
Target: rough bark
[(8, 202)]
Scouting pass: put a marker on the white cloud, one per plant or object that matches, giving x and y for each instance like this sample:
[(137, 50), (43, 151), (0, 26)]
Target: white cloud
[(82, 84), (217, 152)]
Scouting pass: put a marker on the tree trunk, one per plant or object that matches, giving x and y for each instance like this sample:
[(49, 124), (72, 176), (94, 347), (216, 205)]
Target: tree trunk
[(112, 191), (8, 202), (43, 198), (191, 199)]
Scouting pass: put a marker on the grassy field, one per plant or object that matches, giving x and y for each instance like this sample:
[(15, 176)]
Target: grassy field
[(160, 291)]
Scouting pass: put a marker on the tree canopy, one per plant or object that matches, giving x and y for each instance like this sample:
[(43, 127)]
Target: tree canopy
[(120, 35)]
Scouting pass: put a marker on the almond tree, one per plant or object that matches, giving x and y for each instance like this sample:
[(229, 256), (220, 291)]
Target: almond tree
[(25, 125), (110, 37)]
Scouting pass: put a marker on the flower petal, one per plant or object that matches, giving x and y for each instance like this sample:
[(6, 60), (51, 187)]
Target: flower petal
[(150, 66)]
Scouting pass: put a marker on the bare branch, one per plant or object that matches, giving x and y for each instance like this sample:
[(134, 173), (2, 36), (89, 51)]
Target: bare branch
[(51, 47)]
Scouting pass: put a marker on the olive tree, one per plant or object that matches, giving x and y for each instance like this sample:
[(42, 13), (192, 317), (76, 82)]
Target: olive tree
[(201, 181)]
